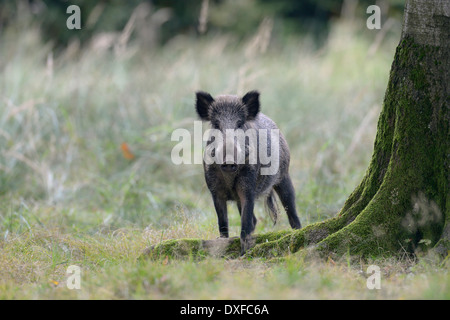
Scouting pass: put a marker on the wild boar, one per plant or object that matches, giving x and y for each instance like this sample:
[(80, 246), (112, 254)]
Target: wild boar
[(234, 177)]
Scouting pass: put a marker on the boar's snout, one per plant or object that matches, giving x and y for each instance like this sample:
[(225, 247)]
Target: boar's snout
[(229, 167)]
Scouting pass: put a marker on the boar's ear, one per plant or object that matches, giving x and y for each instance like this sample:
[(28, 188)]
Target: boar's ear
[(251, 102), (204, 100)]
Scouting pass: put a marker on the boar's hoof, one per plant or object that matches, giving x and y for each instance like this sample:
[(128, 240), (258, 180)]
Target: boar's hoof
[(246, 243)]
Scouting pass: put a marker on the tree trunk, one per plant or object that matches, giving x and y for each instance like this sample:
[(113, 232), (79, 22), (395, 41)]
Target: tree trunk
[(402, 202)]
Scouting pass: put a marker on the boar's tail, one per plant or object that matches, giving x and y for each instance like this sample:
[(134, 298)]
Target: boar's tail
[(272, 207)]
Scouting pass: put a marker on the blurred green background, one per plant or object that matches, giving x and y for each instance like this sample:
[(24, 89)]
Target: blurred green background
[(177, 17), (86, 115)]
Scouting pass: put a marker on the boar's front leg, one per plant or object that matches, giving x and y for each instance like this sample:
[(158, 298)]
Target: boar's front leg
[(248, 221), (240, 212), (220, 205)]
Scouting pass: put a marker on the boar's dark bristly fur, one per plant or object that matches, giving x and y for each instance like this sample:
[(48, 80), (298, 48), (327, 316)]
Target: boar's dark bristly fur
[(244, 183)]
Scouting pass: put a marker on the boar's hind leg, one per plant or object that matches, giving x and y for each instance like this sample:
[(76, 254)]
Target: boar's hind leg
[(286, 193), (222, 215)]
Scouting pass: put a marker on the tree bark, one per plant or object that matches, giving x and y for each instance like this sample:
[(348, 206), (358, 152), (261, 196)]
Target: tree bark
[(402, 203)]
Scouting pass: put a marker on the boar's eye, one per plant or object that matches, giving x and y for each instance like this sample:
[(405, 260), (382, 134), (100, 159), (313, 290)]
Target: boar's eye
[(215, 124), (239, 124)]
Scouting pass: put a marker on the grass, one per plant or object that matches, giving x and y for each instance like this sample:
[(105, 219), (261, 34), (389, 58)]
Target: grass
[(70, 195)]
